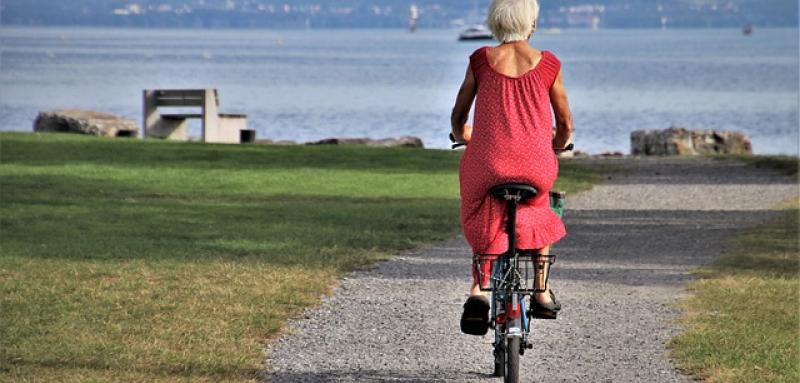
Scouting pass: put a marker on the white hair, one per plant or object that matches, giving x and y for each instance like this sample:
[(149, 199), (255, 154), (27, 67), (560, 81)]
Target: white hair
[(512, 20)]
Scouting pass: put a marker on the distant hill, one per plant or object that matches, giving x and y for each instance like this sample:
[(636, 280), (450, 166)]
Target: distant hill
[(392, 13)]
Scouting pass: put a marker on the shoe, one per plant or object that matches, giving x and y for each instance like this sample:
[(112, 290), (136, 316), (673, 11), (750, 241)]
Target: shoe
[(475, 319), (544, 310)]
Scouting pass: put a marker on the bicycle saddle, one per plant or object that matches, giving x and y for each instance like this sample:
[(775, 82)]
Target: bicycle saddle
[(525, 191)]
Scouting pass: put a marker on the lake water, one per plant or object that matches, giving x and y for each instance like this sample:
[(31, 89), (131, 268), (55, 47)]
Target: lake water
[(310, 84)]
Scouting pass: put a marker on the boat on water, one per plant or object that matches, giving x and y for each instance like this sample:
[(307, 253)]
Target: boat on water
[(747, 30), (413, 15), (475, 32)]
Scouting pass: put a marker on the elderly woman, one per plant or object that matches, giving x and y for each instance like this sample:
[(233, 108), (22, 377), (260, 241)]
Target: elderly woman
[(517, 89)]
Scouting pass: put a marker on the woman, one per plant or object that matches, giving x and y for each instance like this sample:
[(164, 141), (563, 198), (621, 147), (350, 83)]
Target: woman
[(514, 87)]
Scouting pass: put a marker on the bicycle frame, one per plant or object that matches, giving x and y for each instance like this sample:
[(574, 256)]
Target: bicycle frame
[(508, 312), (509, 316)]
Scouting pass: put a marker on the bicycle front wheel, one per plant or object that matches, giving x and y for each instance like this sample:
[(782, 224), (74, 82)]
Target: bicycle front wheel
[(512, 360)]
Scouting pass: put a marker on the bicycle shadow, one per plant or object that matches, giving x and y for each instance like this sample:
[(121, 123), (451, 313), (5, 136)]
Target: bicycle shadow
[(379, 376)]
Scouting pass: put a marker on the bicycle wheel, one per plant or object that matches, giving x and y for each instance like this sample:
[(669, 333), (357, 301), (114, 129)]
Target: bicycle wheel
[(500, 360), (512, 360)]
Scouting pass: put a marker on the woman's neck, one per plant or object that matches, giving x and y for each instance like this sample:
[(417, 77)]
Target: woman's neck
[(515, 43)]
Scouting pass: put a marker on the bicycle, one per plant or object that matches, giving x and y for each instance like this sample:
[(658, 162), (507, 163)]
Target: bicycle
[(511, 277)]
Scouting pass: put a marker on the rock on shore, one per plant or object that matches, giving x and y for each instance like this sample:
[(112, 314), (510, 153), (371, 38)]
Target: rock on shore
[(678, 141), (405, 141), (85, 122)]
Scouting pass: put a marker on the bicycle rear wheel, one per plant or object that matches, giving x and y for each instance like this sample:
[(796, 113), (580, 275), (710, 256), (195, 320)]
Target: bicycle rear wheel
[(512, 360)]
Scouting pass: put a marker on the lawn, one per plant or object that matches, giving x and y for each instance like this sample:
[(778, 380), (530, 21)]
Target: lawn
[(129, 261), (743, 321)]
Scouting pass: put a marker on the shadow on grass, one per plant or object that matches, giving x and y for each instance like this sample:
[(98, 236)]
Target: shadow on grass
[(727, 170), (786, 265), (786, 165), (772, 250), (189, 371)]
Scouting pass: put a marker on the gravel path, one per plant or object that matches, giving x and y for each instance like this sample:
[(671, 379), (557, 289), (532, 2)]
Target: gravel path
[(632, 242)]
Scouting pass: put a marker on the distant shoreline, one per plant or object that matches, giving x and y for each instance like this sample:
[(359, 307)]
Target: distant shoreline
[(389, 82), (420, 30)]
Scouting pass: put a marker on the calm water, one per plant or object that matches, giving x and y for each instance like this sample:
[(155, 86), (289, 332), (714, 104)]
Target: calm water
[(307, 85)]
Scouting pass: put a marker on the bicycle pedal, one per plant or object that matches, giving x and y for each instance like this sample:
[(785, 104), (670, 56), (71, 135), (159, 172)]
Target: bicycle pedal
[(542, 314)]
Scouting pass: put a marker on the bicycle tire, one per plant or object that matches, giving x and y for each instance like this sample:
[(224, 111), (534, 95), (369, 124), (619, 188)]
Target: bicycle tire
[(499, 360), (512, 360)]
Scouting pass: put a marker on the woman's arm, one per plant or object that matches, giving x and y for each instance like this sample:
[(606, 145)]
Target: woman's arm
[(458, 119), (558, 98)]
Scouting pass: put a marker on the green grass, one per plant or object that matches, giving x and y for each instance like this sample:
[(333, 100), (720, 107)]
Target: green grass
[(133, 261), (743, 322)]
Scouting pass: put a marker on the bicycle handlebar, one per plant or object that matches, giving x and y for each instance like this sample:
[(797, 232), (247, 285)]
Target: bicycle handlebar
[(568, 148), (456, 145)]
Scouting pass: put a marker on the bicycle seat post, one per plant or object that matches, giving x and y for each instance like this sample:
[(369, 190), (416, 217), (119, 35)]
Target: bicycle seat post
[(511, 205)]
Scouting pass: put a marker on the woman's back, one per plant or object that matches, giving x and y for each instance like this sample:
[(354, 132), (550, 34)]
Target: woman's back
[(511, 142), (514, 60), (512, 110)]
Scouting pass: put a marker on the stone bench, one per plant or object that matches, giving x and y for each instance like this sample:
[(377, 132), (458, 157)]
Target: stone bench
[(217, 127)]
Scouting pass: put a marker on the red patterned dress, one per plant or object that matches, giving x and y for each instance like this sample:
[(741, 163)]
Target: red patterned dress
[(511, 142)]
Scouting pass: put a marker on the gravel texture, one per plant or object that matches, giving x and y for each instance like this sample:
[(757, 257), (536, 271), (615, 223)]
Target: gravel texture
[(631, 244)]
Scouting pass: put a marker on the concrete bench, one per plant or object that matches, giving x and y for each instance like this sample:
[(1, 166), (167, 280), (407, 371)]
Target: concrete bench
[(216, 127)]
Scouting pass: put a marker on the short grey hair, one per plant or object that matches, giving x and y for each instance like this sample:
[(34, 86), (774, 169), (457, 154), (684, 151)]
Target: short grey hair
[(512, 20)]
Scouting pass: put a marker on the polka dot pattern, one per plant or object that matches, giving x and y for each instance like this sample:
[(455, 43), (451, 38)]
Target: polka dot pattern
[(511, 142)]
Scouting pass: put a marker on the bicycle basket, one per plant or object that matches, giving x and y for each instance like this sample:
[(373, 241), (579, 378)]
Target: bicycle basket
[(488, 271)]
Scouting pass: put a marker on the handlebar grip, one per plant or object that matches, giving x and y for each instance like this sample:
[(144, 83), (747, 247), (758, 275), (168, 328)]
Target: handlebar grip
[(455, 144)]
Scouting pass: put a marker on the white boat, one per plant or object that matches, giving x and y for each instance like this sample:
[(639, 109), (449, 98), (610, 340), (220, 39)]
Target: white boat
[(413, 15), (476, 32)]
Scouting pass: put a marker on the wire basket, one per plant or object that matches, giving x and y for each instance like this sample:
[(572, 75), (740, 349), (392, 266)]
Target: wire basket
[(488, 270)]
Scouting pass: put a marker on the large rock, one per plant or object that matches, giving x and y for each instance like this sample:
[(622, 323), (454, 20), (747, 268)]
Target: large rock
[(267, 141), (405, 141), (677, 141), (85, 122)]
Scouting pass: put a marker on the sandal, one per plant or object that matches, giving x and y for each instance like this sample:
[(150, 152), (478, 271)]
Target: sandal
[(475, 319), (545, 310)]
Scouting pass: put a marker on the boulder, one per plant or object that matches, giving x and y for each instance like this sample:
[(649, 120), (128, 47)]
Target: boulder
[(611, 154), (721, 142), (85, 122), (405, 141), (267, 141), (678, 141), (579, 154)]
